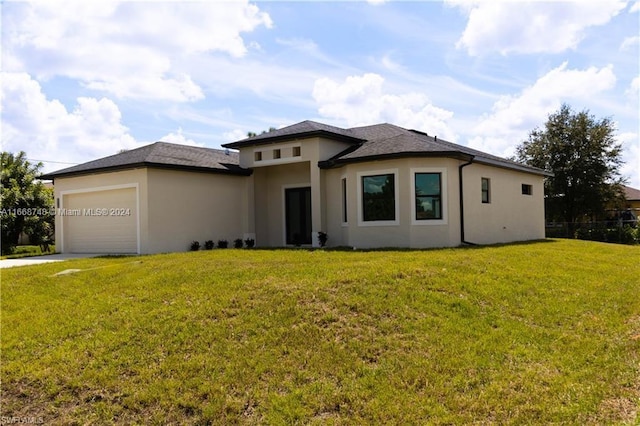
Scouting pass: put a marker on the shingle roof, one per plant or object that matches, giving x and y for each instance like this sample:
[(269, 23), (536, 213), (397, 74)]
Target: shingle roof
[(163, 155), (388, 141), (631, 194), (305, 128)]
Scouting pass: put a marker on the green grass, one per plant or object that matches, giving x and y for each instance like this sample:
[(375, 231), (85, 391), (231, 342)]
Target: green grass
[(28, 251), (539, 333)]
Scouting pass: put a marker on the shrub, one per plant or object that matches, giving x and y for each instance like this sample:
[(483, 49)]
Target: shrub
[(249, 242), (208, 245), (322, 238), (195, 246), (223, 244)]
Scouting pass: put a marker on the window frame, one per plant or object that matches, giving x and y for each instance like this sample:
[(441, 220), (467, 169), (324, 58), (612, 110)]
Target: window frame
[(396, 192), (486, 191), (345, 198), (444, 196), (527, 189)]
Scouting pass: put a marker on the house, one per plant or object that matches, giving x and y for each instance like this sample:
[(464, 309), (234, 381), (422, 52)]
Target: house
[(632, 204), (372, 186)]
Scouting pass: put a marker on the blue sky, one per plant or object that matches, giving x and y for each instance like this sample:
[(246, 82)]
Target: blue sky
[(82, 80)]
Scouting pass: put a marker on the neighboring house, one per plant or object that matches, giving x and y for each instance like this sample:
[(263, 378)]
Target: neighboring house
[(366, 187), (632, 204)]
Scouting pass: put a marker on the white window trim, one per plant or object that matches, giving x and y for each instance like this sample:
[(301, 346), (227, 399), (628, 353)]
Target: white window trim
[(396, 185), (97, 189), (530, 188), (344, 199), (489, 196), (444, 196)]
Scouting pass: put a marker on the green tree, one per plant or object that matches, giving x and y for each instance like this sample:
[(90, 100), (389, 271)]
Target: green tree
[(26, 204), (585, 159), (254, 134)]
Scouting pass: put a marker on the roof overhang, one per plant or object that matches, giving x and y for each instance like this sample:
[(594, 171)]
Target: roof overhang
[(339, 162), (292, 137), (237, 171)]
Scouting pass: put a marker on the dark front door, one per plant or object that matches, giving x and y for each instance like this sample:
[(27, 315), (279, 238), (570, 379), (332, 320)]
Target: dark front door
[(297, 203)]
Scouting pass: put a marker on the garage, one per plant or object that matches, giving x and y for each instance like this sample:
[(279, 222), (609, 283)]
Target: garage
[(100, 220)]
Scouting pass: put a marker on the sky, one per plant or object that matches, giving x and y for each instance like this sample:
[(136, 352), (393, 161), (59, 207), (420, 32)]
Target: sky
[(83, 80)]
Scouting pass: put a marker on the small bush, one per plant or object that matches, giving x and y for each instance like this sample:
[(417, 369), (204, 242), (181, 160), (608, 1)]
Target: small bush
[(208, 245), (195, 246), (223, 244), (322, 238), (249, 242), (237, 243)]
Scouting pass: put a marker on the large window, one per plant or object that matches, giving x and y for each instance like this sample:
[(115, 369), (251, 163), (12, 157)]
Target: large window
[(378, 198), (428, 194), (486, 190)]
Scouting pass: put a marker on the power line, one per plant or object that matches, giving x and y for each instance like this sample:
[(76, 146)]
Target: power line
[(50, 161)]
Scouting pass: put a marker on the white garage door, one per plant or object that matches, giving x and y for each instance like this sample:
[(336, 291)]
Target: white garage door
[(100, 222)]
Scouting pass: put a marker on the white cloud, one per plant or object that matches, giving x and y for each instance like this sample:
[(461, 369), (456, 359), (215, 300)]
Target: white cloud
[(530, 26), (46, 130), (179, 138), (635, 7), (360, 100), (631, 154), (629, 42), (234, 135), (634, 89), (513, 117), (130, 49)]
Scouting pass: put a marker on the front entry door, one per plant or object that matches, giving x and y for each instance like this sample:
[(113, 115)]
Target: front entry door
[(297, 203)]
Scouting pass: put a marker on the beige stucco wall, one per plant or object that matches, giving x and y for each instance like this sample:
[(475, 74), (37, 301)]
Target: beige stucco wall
[(510, 215), (97, 182), (175, 207), (406, 232), (269, 185), (187, 206)]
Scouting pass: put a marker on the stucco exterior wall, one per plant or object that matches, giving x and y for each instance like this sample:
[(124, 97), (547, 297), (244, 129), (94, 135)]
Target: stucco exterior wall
[(510, 215), (189, 206), (406, 232), (97, 182), (269, 185)]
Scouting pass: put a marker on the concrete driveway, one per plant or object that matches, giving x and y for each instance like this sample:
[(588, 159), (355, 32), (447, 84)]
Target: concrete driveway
[(36, 260)]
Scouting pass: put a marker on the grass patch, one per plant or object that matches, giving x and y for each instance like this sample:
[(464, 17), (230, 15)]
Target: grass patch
[(28, 251), (519, 334)]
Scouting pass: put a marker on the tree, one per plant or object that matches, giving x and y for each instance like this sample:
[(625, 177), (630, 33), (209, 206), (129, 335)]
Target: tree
[(26, 204), (254, 134), (585, 159)]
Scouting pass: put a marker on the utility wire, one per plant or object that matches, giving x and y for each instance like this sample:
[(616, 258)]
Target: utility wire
[(49, 161)]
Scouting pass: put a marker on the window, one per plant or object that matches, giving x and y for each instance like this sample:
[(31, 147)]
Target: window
[(276, 154), (527, 189), (296, 151), (378, 198), (428, 194), (257, 156), (344, 200), (486, 189)]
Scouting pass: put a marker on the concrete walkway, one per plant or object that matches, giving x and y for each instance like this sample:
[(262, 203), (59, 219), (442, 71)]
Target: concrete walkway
[(36, 260)]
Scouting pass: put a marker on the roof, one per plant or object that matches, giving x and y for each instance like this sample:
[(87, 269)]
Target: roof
[(380, 141), (390, 141), (161, 155), (631, 194), (304, 129)]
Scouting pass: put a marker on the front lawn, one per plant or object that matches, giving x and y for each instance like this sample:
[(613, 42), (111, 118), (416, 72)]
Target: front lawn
[(539, 333)]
